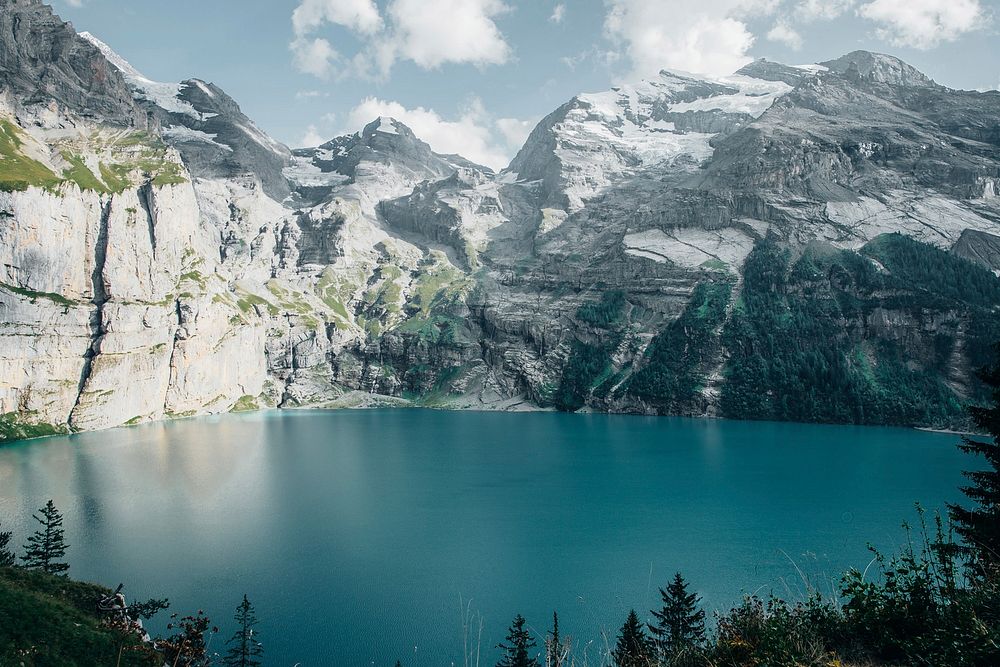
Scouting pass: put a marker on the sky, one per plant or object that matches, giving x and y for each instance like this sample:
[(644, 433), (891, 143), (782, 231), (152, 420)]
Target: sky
[(474, 76)]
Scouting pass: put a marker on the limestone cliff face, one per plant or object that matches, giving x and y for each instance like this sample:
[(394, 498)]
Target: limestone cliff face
[(817, 243)]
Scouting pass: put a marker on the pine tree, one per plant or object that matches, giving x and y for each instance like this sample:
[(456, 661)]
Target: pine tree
[(46, 547), (518, 646), (980, 525), (680, 625), (6, 555), (555, 650), (634, 647), (245, 650)]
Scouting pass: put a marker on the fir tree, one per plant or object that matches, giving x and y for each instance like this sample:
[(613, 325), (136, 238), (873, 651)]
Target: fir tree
[(634, 647), (46, 547), (6, 555), (980, 525), (680, 625), (518, 646), (555, 650), (245, 650)]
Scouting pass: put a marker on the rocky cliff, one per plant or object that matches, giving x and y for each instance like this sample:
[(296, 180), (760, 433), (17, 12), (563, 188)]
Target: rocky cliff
[(816, 243)]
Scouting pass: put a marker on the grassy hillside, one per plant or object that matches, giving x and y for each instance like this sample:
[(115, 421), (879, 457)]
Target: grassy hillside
[(47, 620)]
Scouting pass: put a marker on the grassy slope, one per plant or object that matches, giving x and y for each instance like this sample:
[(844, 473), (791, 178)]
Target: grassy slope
[(47, 620)]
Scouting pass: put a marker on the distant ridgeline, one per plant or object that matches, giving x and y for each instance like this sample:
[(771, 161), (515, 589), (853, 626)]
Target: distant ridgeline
[(816, 243)]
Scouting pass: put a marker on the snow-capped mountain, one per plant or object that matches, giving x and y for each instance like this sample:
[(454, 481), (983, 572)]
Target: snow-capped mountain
[(687, 245)]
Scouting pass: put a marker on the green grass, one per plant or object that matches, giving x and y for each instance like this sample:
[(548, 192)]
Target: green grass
[(80, 174), (115, 177), (19, 426), (48, 620), (17, 170), (245, 404), (31, 294)]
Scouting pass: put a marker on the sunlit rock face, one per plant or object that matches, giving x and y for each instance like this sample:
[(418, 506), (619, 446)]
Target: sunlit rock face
[(818, 243)]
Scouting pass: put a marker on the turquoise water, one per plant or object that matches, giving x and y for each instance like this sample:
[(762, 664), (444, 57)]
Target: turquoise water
[(359, 535)]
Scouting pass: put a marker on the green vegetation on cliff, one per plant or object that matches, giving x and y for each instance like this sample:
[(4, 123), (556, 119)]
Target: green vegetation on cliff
[(677, 358), (813, 340)]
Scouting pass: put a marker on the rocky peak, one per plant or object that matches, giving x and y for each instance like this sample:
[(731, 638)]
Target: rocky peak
[(878, 68), (207, 126), (42, 59)]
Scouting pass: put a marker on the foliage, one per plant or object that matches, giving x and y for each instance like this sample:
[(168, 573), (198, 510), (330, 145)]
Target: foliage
[(6, 555), (634, 648), (801, 347), (980, 525), (773, 633), (583, 368), (556, 649), (245, 650), (517, 650), (605, 313), (188, 647), (676, 358), (48, 620), (680, 624), (46, 547), (922, 610)]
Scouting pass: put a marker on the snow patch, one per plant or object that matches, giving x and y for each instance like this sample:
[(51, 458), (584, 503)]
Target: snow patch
[(691, 247), (181, 134)]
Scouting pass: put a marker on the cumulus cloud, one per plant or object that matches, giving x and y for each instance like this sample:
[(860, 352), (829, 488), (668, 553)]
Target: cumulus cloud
[(923, 24), (314, 56), (706, 36), (428, 32), (786, 34), (473, 135), (358, 15), (558, 13), (75, 3), (434, 32)]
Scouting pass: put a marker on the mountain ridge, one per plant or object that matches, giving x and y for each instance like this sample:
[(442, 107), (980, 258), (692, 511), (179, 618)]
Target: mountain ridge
[(639, 255)]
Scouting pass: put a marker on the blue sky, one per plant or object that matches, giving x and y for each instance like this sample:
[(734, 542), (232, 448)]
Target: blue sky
[(473, 76)]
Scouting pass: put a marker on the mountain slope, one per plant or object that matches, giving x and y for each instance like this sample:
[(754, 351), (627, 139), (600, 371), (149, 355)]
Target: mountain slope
[(816, 243)]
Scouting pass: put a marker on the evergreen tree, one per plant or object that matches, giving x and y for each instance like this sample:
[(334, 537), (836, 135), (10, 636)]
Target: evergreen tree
[(680, 624), (980, 525), (555, 651), (245, 650), (518, 646), (46, 547), (634, 648), (6, 555)]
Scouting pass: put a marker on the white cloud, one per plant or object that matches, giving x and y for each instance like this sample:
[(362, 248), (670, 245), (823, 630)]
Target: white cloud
[(706, 36), (358, 15), (923, 24), (821, 10), (75, 3), (434, 32), (786, 34), (558, 13), (473, 135), (314, 56), (515, 131), (311, 138), (428, 32)]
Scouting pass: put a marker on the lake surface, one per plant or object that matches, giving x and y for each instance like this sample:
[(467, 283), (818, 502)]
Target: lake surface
[(359, 535)]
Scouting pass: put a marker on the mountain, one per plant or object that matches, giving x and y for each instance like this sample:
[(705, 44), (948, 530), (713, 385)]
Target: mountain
[(817, 243)]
